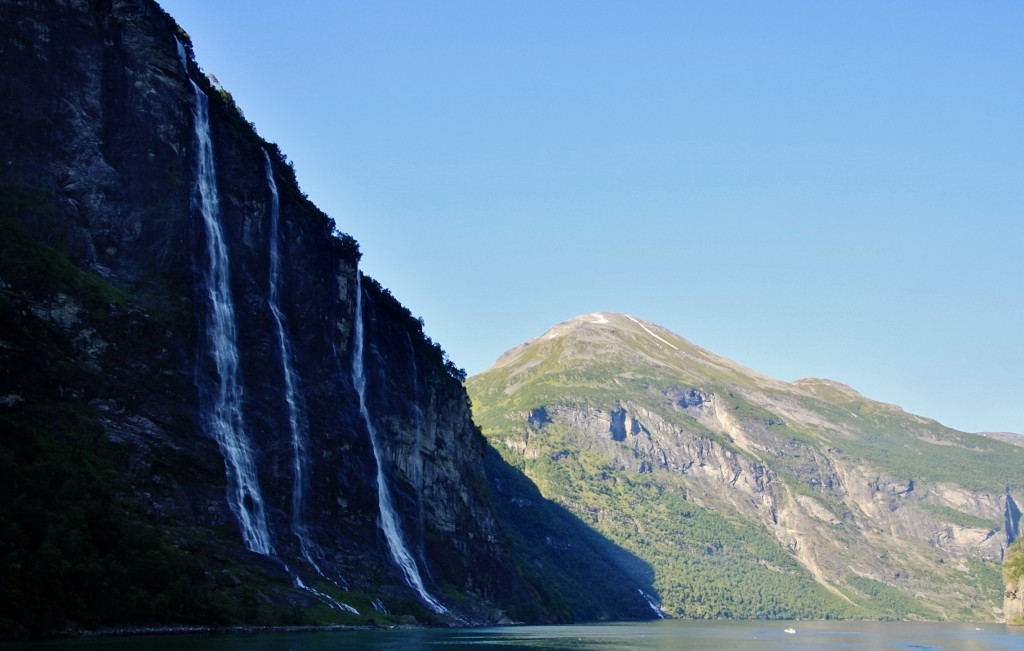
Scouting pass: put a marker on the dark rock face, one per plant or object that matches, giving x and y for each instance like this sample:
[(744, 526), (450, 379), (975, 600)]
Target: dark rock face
[(1011, 520), (98, 170)]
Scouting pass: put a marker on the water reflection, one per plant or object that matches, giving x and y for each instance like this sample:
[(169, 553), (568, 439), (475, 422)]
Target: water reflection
[(653, 636)]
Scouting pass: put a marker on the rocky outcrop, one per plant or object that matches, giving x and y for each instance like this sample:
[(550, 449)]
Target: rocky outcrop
[(1011, 519), (1013, 576), (1013, 603), (108, 301), (640, 440)]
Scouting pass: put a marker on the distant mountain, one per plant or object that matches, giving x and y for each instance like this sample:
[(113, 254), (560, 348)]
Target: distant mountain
[(738, 495)]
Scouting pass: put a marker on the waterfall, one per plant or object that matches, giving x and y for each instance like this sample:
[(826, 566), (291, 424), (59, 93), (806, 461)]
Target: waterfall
[(296, 415), (327, 599), (224, 421), (653, 604), (297, 424), (388, 518), (182, 57)]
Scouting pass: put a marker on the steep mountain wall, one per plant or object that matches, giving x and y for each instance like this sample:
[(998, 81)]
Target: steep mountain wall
[(179, 315)]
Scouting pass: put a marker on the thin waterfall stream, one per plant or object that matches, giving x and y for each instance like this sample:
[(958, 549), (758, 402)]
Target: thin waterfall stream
[(389, 522), (296, 415)]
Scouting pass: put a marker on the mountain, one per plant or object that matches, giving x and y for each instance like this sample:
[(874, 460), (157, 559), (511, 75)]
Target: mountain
[(208, 414), (746, 496)]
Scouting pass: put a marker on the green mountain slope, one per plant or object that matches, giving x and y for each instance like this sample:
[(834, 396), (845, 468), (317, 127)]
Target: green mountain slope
[(747, 496)]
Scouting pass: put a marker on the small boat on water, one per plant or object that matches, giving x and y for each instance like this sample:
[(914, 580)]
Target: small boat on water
[(791, 631)]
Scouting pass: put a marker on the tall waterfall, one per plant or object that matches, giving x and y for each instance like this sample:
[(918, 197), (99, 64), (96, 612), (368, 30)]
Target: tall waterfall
[(296, 415), (297, 424), (389, 522), (224, 421)]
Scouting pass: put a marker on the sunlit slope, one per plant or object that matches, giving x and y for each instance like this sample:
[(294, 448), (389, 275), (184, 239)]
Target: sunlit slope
[(748, 496)]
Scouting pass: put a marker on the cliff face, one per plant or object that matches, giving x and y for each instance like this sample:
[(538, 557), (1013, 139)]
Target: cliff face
[(1013, 577), (173, 305), (1013, 603)]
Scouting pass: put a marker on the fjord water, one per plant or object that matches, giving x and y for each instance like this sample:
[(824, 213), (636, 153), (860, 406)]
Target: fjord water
[(673, 635)]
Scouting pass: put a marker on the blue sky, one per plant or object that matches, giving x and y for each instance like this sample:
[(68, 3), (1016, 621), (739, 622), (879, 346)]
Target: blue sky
[(809, 188)]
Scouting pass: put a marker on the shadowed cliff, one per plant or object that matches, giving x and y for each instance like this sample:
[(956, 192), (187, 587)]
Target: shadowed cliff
[(183, 439)]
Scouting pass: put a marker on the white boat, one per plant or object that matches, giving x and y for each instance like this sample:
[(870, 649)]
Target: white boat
[(791, 631)]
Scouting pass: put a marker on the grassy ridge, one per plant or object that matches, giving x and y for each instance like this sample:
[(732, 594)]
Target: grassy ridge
[(914, 447)]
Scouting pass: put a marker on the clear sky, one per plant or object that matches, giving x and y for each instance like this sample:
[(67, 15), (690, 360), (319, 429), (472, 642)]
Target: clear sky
[(828, 189)]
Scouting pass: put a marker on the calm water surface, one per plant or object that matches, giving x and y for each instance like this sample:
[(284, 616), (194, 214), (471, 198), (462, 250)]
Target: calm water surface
[(655, 636)]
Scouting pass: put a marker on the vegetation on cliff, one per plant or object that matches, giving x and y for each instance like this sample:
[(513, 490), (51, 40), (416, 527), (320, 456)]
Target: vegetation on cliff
[(1013, 579), (1013, 562)]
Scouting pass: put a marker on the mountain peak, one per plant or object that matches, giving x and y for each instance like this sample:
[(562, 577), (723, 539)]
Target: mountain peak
[(606, 344), (608, 321), (605, 330)]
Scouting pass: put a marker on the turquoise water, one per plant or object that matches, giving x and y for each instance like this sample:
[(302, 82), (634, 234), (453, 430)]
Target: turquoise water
[(653, 636)]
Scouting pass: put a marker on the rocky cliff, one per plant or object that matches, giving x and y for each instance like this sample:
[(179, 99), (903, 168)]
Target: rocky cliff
[(747, 496), (1013, 603), (207, 414), (1013, 577)]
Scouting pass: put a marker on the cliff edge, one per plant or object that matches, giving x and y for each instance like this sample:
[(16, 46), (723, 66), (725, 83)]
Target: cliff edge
[(1013, 576)]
